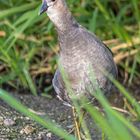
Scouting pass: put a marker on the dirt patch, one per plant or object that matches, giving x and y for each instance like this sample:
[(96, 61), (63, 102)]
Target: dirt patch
[(23, 128), (15, 126), (20, 129)]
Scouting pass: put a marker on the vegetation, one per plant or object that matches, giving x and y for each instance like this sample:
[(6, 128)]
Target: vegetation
[(28, 48)]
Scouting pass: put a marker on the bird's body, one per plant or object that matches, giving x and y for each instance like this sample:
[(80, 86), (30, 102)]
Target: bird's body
[(80, 50)]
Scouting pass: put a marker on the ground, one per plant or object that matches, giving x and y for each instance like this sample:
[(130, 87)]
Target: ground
[(21, 127), (15, 126)]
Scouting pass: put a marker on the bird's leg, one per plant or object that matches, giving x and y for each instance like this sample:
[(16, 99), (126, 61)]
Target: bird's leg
[(83, 113), (77, 128)]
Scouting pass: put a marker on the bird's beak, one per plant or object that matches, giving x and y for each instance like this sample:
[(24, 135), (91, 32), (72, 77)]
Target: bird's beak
[(43, 8)]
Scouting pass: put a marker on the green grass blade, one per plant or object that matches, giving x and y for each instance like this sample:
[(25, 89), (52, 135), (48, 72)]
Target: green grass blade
[(14, 10)]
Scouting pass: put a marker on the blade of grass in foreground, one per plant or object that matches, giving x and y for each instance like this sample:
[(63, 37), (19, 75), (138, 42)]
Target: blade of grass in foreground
[(75, 103), (100, 120), (17, 9), (113, 124), (131, 99), (15, 61), (119, 125), (30, 81), (21, 108)]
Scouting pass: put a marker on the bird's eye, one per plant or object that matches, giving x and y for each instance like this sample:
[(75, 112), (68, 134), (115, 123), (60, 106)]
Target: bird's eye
[(53, 0)]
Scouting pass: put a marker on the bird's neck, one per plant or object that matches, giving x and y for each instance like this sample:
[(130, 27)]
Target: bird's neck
[(63, 20), (66, 28)]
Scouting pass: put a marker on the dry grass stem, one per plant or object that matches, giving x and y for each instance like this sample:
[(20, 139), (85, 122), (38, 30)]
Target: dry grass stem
[(120, 110), (41, 70), (121, 55), (135, 41)]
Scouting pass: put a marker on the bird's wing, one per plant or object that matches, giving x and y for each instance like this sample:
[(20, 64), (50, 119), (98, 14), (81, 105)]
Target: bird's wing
[(60, 89)]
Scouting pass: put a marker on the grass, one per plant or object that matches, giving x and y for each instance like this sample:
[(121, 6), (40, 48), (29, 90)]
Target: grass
[(28, 48), (26, 34)]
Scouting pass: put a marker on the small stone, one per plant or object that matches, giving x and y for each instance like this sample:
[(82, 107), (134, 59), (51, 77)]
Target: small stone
[(70, 126), (41, 135), (53, 121), (27, 118), (1, 121), (22, 131), (9, 122), (27, 130), (69, 117), (21, 117), (29, 139), (49, 135), (7, 130)]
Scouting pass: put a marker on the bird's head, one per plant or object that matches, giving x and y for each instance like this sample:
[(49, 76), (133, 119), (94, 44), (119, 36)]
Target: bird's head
[(50, 6), (58, 13)]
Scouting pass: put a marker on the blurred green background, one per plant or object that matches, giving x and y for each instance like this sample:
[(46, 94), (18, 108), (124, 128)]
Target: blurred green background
[(28, 42)]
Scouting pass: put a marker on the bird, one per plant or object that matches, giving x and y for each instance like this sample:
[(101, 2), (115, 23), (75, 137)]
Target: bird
[(79, 50)]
